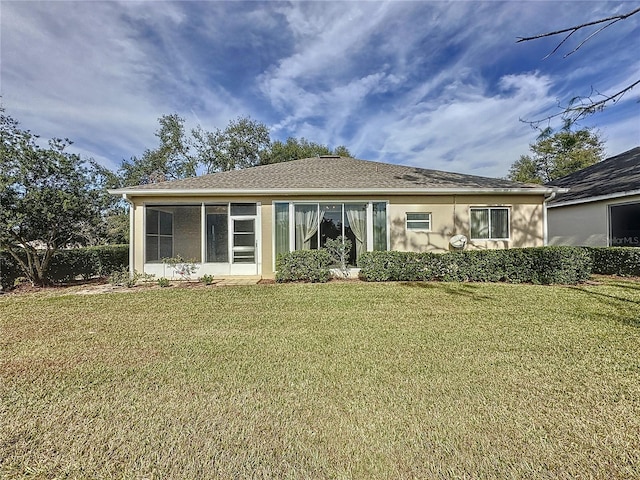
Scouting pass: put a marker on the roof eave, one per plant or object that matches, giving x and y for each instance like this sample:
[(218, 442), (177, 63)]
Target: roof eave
[(598, 198), (198, 192)]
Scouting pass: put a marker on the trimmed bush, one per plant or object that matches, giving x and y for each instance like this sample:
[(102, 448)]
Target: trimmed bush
[(304, 266), (66, 265), (88, 262), (546, 265), (623, 261)]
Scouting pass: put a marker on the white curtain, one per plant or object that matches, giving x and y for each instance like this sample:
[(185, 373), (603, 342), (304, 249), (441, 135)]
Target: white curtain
[(357, 216), (308, 218)]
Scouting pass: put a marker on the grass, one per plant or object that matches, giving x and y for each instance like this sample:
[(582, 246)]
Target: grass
[(343, 380)]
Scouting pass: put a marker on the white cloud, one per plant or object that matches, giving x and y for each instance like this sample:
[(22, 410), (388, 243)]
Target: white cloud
[(435, 84)]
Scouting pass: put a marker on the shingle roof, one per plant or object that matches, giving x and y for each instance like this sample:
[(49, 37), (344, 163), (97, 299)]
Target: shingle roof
[(335, 173), (615, 175)]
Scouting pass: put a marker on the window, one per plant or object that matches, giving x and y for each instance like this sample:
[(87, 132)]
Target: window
[(418, 221), (172, 231), (624, 225), (159, 234), (490, 223), (217, 233), (308, 226), (380, 242), (282, 227)]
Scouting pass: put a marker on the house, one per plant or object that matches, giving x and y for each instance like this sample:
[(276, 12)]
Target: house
[(237, 222), (602, 206)]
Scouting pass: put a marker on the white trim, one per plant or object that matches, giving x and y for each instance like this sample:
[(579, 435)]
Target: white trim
[(216, 192), (598, 198)]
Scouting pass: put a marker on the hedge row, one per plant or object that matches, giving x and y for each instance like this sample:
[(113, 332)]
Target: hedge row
[(304, 266), (542, 265), (69, 264), (623, 261)]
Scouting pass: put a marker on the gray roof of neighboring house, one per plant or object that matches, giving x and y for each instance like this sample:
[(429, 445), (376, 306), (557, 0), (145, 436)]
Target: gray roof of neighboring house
[(330, 173), (614, 176)]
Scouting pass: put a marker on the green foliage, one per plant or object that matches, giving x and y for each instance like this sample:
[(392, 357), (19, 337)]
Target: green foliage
[(87, 262), (623, 261), (294, 149), (240, 145), (304, 266), (206, 279), (9, 271), (123, 278), (171, 160), (339, 250), (46, 199), (555, 155), (164, 282), (542, 265)]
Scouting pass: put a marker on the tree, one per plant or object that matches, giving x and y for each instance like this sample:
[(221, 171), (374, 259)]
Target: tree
[(294, 149), (240, 145), (582, 106), (555, 155), (46, 200), (172, 159)]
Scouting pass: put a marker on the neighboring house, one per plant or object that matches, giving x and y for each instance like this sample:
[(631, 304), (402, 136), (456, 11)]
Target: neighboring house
[(237, 222), (602, 206)]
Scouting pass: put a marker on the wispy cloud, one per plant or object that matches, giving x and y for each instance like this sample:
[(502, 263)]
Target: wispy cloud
[(435, 84)]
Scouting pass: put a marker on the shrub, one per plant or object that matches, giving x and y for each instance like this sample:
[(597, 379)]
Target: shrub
[(534, 265), (164, 282), (568, 265), (206, 279), (66, 265), (9, 271), (123, 278), (304, 266), (87, 262), (181, 267), (623, 261), (339, 250)]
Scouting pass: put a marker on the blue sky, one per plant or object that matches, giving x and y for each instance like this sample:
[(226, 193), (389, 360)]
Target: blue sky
[(438, 85)]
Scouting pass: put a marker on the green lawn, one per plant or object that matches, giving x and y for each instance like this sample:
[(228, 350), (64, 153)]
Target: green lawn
[(342, 380)]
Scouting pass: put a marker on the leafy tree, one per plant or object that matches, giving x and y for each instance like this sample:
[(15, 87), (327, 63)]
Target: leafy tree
[(46, 201), (170, 161), (240, 145), (114, 228), (555, 155), (294, 149), (582, 106)]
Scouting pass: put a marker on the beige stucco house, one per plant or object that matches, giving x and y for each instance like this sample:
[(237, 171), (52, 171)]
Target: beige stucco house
[(602, 205), (237, 222)]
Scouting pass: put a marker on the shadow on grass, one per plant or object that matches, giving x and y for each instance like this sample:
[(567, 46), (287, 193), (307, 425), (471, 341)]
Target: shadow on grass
[(614, 301), (452, 288)]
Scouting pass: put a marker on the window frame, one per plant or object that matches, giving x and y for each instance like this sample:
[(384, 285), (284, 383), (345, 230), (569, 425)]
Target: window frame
[(369, 208), (489, 209), (158, 236), (409, 222)]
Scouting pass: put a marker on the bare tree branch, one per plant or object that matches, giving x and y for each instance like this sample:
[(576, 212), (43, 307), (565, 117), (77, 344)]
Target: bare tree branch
[(572, 112), (578, 27), (581, 106)]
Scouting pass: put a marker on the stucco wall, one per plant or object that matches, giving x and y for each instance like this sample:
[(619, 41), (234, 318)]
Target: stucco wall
[(449, 214), (584, 224)]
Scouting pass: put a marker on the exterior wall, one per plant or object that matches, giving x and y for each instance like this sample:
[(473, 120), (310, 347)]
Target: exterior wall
[(584, 224), (450, 215)]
